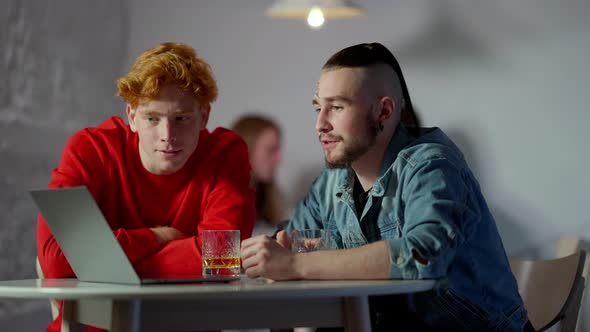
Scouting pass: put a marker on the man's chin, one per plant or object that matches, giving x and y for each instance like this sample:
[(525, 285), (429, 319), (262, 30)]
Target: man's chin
[(336, 164), (168, 168)]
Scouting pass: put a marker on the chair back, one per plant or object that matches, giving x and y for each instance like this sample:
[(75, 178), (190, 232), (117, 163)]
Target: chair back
[(567, 245), (551, 290)]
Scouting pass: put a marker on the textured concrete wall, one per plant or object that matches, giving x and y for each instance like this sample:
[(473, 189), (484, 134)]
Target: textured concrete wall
[(58, 63)]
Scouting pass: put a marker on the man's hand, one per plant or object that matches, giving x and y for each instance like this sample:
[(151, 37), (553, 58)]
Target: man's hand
[(265, 257), (165, 234), (284, 240)]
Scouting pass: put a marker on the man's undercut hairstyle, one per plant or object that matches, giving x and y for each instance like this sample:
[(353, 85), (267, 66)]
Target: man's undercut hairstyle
[(370, 54), (168, 63)]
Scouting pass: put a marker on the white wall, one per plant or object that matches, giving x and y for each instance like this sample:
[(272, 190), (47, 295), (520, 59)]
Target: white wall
[(506, 79)]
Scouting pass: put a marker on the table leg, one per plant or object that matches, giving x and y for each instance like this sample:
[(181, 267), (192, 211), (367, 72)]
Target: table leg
[(69, 319), (356, 314), (111, 315), (126, 316)]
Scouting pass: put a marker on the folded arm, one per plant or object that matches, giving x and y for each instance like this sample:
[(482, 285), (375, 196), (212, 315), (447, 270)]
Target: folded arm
[(228, 206), (83, 164)]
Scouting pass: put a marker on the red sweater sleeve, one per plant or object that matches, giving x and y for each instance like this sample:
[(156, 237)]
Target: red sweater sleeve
[(85, 162), (228, 204)]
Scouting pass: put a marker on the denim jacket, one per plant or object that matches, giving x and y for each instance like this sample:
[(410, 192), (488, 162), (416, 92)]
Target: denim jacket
[(426, 200)]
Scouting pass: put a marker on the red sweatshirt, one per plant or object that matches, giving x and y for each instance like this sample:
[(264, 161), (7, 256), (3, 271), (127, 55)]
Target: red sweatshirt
[(211, 191)]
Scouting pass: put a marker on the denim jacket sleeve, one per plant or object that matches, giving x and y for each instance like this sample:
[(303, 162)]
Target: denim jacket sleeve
[(437, 216)]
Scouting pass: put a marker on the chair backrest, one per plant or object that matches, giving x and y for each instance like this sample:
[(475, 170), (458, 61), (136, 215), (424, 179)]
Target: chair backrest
[(551, 290), (53, 303), (567, 245)]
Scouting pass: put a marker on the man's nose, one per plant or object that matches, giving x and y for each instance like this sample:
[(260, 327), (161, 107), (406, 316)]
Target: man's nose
[(322, 124), (166, 130)]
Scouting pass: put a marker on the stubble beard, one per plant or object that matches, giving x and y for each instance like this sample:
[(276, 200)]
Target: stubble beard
[(357, 146)]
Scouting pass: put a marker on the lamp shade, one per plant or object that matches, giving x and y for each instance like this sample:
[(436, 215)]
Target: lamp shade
[(301, 8)]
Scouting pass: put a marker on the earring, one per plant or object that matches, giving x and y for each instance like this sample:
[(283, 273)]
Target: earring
[(380, 126)]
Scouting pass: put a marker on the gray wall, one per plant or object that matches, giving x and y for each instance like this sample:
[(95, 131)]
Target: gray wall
[(58, 63)]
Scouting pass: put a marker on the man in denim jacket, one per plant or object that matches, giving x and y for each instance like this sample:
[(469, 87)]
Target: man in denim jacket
[(401, 202)]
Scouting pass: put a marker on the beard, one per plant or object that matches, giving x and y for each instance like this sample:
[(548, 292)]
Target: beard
[(357, 146)]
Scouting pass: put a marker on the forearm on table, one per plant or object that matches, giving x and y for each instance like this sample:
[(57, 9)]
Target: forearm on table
[(177, 258), (53, 262), (137, 243), (370, 261)]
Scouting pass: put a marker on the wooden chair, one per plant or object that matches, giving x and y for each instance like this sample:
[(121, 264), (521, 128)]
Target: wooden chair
[(551, 290), (53, 303)]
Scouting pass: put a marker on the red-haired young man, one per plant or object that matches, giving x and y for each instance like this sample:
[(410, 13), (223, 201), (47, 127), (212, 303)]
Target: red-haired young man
[(162, 178)]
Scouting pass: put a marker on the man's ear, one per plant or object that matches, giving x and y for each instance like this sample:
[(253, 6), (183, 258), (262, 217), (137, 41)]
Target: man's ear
[(131, 114), (204, 110), (387, 107)]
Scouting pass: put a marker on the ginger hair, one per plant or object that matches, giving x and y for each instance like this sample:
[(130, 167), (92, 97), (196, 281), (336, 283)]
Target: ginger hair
[(168, 63)]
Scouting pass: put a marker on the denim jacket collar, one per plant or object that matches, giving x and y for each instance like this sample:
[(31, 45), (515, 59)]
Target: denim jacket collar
[(400, 139)]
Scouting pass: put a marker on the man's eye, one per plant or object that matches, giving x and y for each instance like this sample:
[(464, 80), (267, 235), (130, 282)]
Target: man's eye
[(182, 118), (317, 109), (152, 119), (337, 108)]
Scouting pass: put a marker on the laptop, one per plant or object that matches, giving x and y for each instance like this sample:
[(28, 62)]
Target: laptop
[(88, 242)]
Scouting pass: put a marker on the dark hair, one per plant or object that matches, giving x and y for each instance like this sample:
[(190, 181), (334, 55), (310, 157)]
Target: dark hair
[(368, 54)]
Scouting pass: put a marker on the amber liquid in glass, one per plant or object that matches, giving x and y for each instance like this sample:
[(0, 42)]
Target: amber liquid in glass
[(221, 266)]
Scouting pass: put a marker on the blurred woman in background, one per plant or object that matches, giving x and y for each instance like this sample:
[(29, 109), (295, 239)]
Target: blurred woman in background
[(263, 137)]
